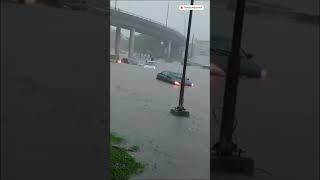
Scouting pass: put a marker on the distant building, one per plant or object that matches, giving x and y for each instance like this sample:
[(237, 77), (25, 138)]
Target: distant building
[(201, 48)]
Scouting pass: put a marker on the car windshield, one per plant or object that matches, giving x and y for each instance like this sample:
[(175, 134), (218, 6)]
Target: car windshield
[(150, 63), (222, 46), (176, 75)]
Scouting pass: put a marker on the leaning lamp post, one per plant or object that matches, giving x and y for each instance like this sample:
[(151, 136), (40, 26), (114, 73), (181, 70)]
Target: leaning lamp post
[(180, 110), (227, 157)]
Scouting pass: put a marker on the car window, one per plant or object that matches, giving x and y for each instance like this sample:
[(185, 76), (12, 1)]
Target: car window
[(164, 73), (176, 75), (170, 73)]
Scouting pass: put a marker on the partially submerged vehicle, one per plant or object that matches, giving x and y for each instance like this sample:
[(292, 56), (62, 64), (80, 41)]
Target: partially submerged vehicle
[(173, 78), (123, 61), (150, 65), (127, 61), (221, 53)]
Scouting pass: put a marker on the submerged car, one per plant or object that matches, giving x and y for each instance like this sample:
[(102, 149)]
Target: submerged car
[(150, 65), (123, 61), (173, 78), (127, 61), (222, 51)]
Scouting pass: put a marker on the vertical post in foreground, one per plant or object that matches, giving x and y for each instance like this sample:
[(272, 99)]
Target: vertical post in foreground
[(180, 110), (231, 87), (227, 155)]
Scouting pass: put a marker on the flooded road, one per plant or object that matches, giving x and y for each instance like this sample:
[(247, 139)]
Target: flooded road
[(278, 118), (173, 147)]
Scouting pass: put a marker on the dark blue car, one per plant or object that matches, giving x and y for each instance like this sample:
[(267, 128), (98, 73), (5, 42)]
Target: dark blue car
[(173, 78)]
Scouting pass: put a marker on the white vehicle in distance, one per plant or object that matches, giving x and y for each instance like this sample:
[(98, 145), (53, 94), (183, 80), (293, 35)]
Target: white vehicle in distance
[(150, 65)]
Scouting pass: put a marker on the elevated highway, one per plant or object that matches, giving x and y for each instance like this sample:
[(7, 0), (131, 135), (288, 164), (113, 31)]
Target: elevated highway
[(135, 23)]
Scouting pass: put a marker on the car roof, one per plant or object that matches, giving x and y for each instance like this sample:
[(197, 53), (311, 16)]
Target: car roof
[(177, 75), (172, 73)]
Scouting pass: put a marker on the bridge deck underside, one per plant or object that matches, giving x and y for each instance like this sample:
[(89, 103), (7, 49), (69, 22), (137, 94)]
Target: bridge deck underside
[(144, 26)]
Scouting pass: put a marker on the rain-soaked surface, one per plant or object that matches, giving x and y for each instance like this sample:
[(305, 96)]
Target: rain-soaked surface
[(278, 118), (173, 147)]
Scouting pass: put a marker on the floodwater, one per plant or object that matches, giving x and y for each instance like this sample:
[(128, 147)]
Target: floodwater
[(278, 118), (173, 147)]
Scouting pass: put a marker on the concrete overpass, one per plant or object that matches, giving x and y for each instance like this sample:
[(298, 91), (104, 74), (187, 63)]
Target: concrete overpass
[(122, 19)]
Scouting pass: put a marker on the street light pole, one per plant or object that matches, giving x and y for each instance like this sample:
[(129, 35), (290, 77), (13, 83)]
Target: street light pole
[(232, 79), (167, 13), (227, 154), (180, 110), (185, 60), (115, 6)]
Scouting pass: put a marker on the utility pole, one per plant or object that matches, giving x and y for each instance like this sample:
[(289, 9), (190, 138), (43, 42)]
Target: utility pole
[(227, 155), (167, 13), (115, 6), (180, 110)]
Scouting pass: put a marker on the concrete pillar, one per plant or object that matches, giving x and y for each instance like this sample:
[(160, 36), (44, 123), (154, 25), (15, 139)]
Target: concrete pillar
[(117, 41), (182, 52), (169, 49), (131, 42)]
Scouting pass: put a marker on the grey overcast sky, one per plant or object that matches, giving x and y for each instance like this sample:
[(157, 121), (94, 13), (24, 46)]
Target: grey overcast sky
[(157, 11)]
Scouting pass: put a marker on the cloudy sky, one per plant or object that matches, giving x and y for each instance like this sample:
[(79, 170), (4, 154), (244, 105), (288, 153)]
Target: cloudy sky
[(157, 11)]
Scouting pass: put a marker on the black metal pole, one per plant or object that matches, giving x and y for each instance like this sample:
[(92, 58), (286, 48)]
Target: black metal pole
[(185, 60), (231, 87)]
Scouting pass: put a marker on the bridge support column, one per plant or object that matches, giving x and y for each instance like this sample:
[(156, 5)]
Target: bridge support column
[(131, 42), (169, 49), (117, 42), (182, 50)]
